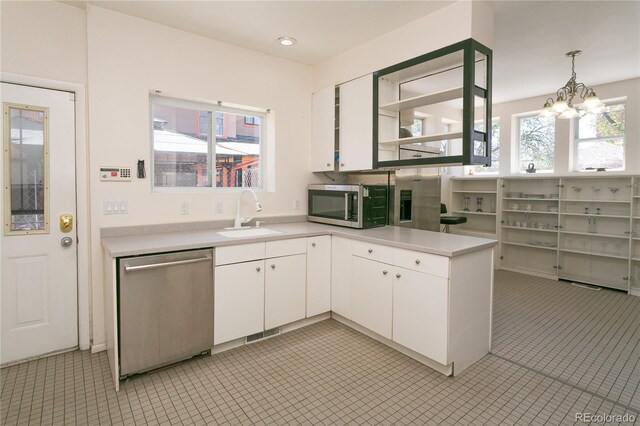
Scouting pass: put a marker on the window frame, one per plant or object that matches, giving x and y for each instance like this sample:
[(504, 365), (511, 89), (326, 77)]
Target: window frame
[(518, 144), (478, 168), (575, 140), (211, 108)]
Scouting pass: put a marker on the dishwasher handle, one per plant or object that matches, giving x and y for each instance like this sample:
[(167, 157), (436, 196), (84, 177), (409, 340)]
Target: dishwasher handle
[(128, 268)]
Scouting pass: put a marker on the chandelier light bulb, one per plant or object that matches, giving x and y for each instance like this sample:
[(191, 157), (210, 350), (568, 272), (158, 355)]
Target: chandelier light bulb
[(571, 112), (560, 106), (547, 112), (592, 102)]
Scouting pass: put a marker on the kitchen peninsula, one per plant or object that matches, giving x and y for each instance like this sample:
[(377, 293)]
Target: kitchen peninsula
[(426, 294)]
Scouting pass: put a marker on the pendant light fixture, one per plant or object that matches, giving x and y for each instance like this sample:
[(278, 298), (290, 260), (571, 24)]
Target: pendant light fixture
[(563, 105)]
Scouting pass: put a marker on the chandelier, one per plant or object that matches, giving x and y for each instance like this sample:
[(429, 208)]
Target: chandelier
[(563, 105)]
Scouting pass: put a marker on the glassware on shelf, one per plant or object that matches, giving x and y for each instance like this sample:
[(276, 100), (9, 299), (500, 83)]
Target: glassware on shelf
[(598, 210), (613, 190), (466, 203), (595, 190), (576, 188), (592, 225), (586, 209), (479, 203)]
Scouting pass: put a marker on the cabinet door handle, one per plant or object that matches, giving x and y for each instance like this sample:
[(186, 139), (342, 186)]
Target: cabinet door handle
[(370, 250), (258, 269), (328, 164), (398, 275), (341, 164), (313, 244), (273, 266), (384, 272), (417, 261)]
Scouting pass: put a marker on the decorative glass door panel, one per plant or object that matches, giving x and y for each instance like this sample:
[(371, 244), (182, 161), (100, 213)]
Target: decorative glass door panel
[(26, 169)]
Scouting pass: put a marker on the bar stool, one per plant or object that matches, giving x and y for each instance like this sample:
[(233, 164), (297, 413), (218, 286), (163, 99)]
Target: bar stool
[(447, 221)]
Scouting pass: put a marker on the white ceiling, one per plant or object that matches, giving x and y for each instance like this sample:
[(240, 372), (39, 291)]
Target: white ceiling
[(530, 38)]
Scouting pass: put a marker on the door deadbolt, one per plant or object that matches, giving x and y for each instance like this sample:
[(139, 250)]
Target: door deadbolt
[(66, 222), (66, 242)]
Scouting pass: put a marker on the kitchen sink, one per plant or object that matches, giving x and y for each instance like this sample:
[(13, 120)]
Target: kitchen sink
[(248, 232)]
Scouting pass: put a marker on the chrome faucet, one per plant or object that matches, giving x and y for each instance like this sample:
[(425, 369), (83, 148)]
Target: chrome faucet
[(239, 219)]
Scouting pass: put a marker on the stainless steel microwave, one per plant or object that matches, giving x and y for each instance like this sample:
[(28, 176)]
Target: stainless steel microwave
[(355, 206)]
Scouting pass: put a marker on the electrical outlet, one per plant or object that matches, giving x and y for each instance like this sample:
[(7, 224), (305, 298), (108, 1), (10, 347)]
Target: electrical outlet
[(219, 207), (184, 207), (296, 204)]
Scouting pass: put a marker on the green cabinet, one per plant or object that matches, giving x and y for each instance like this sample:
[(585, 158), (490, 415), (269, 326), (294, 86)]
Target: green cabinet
[(434, 109)]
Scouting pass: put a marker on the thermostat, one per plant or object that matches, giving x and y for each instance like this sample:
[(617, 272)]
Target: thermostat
[(115, 174)]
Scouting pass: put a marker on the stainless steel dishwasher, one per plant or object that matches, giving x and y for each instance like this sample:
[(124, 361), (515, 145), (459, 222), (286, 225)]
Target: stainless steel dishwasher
[(165, 309)]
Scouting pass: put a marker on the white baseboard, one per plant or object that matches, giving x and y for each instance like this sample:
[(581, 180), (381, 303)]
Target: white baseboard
[(98, 348)]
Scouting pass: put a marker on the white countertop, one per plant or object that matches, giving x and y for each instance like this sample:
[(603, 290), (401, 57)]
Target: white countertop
[(411, 239)]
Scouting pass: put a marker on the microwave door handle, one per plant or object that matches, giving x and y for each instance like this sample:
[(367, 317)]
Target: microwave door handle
[(346, 206)]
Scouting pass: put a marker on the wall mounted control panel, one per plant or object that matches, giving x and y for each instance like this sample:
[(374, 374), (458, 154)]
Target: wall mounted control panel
[(115, 174)]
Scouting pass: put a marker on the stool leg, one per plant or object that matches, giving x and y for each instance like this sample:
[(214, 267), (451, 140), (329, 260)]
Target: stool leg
[(447, 228)]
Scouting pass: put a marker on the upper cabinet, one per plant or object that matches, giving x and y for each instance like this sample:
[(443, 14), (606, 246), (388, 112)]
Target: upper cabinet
[(322, 130), (433, 109), (354, 103)]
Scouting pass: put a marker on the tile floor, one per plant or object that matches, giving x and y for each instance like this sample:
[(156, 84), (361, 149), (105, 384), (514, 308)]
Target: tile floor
[(557, 350)]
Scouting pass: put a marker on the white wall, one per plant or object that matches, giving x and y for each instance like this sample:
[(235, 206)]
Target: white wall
[(44, 39), (127, 57), (456, 22)]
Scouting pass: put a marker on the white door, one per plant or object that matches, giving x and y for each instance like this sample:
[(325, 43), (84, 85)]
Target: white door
[(372, 295), (323, 130), (284, 290), (238, 301), (39, 259), (318, 275), (356, 124)]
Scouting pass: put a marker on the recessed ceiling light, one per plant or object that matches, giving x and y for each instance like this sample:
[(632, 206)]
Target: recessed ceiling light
[(287, 41)]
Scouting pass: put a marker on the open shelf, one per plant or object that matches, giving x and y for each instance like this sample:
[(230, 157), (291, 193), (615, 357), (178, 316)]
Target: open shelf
[(532, 211), (425, 138), (471, 191), (593, 253), (422, 100), (530, 245), (594, 234), (529, 229), (566, 200), (615, 216), (472, 212), (530, 199)]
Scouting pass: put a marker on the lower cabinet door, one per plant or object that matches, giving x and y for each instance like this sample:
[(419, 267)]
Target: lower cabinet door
[(285, 290), (420, 313), (371, 295), (318, 275), (238, 300)]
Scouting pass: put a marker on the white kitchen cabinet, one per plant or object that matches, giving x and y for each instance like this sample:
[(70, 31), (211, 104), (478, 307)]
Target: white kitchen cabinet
[(323, 130), (371, 295), (355, 134), (420, 316), (284, 290), (238, 300), (341, 249), (318, 275)]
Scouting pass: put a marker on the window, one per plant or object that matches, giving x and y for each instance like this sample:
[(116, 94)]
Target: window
[(599, 139), (186, 153), (537, 142), (418, 125), (495, 148)]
